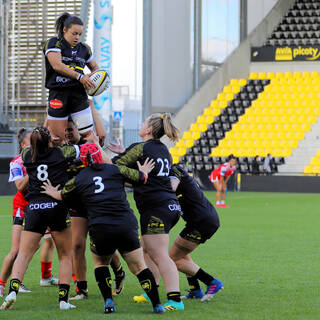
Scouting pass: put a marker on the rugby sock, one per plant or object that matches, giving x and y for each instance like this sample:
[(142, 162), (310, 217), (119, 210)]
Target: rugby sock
[(82, 286), (174, 295), (222, 202), (218, 202), (74, 278), (148, 284), (204, 277), (118, 271), (46, 269), (64, 292), (14, 285), (193, 283), (103, 278), (3, 282)]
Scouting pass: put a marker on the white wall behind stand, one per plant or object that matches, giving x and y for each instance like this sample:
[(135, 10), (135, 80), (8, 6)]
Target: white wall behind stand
[(171, 72), (257, 11), (289, 66)]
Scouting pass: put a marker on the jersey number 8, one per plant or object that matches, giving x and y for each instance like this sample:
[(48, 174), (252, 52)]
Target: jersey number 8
[(42, 173)]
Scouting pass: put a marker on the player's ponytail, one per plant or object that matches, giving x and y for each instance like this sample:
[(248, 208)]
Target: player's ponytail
[(66, 20), (161, 124), (22, 133), (39, 141)]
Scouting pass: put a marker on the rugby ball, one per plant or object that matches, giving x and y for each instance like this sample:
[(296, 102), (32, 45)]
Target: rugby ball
[(101, 81)]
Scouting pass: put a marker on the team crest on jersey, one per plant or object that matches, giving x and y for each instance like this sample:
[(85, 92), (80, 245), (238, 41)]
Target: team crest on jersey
[(56, 104)]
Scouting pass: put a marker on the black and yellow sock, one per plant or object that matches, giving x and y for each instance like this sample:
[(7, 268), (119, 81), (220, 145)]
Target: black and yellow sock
[(148, 284), (103, 278), (193, 283), (117, 270), (82, 286), (174, 295), (204, 277), (14, 285), (64, 292)]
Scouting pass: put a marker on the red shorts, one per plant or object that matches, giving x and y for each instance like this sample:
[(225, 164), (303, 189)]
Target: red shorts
[(214, 178), (19, 205)]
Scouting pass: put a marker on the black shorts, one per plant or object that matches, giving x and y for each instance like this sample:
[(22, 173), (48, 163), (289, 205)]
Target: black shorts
[(106, 239), (18, 221), (200, 232), (161, 218), (78, 213), (41, 214), (62, 103)]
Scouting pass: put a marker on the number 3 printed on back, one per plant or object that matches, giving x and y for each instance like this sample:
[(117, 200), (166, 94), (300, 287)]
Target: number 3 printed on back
[(98, 182)]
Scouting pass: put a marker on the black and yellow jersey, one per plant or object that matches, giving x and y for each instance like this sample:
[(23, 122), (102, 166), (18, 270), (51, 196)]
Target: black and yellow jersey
[(75, 58), (102, 192), (195, 206), (52, 165), (158, 187), (75, 165)]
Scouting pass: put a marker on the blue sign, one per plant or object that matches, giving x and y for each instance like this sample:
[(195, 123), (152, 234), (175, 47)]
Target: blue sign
[(117, 116)]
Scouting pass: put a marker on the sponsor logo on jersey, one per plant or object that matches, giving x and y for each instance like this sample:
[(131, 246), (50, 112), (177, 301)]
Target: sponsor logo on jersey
[(56, 104), (42, 206), (16, 172), (174, 207)]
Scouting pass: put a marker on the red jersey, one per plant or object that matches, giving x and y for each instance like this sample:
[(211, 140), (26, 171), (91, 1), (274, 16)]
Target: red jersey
[(18, 171), (223, 170)]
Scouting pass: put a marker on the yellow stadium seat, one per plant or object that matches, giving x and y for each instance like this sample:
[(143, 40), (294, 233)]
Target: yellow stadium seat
[(253, 76), (214, 104), (235, 89), (195, 135), (262, 75), (175, 159), (201, 119), (314, 74), (234, 82), (180, 143), (306, 74), (188, 143), (173, 151), (242, 82), (227, 89), (315, 161), (270, 75), (297, 74), (186, 135), (279, 75)]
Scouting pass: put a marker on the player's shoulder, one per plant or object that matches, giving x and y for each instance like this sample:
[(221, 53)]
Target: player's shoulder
[(54, 42), (17, 159), (86, 46)]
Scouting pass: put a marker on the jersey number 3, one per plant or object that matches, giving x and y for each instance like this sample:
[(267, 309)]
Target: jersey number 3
[(98, 182)]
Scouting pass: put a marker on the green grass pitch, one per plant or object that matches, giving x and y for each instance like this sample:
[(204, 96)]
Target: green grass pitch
[(266, 252)]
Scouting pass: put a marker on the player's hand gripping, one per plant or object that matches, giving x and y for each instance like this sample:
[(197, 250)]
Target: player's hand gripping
[(51, 191), (87, 82), (147, 167)]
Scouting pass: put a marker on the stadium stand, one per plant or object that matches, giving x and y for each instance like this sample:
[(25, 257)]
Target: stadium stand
[(274, 112), (300, 26), (270, 114)]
